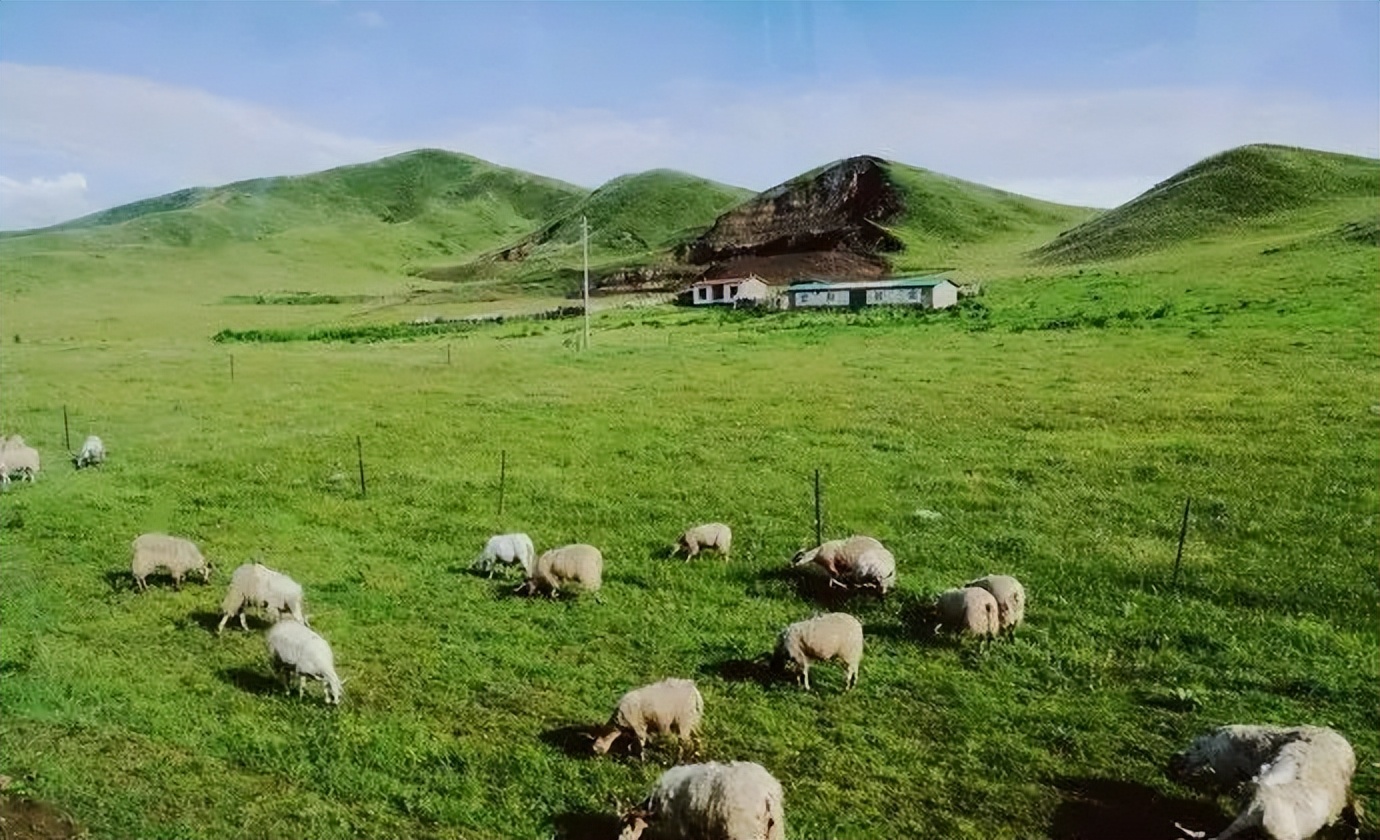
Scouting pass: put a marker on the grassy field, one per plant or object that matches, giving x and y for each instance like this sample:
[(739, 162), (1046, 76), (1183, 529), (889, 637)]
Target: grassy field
[(1056, 424)]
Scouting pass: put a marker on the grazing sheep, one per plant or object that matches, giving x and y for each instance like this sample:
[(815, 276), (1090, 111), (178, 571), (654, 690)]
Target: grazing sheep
[(92, 453), (512, 549), (715, 535), (819, 639), (17, 458), (875, 569), (1298, 778), (836, 558), (178, 556), (735, 801), (970, 610), (579, 563), (1010, 597), (295, 650), (254, 584), (672, 706)]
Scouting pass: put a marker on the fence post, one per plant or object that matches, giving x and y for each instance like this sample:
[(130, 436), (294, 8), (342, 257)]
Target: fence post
[(359, 450), (818, 515), (1183, 532), (502, 477)]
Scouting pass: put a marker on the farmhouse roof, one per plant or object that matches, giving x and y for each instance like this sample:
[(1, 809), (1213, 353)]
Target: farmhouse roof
[(918, 282)]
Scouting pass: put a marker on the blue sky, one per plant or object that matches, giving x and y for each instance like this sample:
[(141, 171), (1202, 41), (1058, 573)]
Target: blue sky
[(1091, 103)]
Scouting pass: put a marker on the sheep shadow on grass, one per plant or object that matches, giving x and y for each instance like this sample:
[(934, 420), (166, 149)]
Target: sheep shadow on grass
[(253, 680), (120, 580), (574, 740), (756, 670), (209, 621), (585, 825), (1095, 809)]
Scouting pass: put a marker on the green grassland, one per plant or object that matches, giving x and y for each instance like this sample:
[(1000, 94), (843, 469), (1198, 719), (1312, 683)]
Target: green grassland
[(1056, 423)]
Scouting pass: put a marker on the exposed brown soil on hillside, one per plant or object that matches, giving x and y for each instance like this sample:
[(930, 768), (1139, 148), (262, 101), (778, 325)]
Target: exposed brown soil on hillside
[(24, 819), (837, 208)]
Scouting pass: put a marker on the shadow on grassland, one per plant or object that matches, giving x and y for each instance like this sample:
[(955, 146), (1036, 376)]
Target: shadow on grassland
[(584, 825), (1097, 809)]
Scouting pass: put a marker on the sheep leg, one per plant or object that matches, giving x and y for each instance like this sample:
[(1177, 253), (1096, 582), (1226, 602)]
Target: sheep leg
[(805, 674), (852, 677), (301, 684), (177, 583), (221, 626), (244, 625)]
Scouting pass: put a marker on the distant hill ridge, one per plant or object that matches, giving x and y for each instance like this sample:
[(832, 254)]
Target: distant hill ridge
[(1227, 190)]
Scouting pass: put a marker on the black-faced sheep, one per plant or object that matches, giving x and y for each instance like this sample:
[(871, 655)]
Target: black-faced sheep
[(178, 556), (672, 706), (1297, 779), (510, 549), (819, 639), (715, 535), (579, 563), (735, 801), (295, 650), (254, 584), (1010, 597)]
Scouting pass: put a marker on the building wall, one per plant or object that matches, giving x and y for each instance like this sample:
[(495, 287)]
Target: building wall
[(945, 294), (896, 297), (822, 298)]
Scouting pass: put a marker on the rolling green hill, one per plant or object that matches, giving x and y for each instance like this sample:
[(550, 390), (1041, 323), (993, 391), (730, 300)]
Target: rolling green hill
[(634, 222), (1247, 187), (418, 203)]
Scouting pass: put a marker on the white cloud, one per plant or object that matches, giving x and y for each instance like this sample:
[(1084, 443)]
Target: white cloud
[(42, 201), (1082, 148), (133, 138)]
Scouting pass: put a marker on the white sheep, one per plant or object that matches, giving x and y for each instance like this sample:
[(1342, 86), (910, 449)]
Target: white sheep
[(254, 584), (295, 650), (511, 549), (819, 639), (969, 610), (739, 800), (579, 563), (672, 706), (836, 558), (178, 556), (874, 569), (715, 535), (92, 453), (18, 458), (1298, 778), (1010, 596)]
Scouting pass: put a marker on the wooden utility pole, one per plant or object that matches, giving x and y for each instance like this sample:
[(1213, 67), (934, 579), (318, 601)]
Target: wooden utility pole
[(584, 226)]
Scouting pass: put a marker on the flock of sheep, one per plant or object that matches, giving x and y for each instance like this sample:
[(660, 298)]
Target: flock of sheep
[(1296, 780)]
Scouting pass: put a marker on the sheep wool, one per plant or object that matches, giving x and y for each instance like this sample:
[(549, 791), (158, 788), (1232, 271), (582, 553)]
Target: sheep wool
[(837, 558), (509, 549), (1298, 779), (176, 555), (970, 610), (254, 584), (579, 563), (672, 706), (715, 535), (295, 650), (739, 800), (819, 639), (1010, 596), (92, 453)]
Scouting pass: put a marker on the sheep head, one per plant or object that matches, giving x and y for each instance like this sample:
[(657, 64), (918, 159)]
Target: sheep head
[(604, 739), (633, 823)]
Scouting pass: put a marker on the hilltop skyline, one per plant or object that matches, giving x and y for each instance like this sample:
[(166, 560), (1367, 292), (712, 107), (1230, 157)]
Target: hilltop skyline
[(1081, 104)]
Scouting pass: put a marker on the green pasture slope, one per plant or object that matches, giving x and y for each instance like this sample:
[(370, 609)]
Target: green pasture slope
[(1056, 424)]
